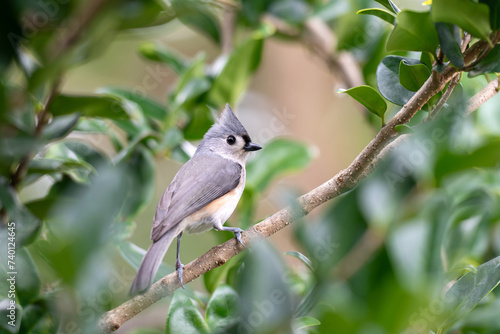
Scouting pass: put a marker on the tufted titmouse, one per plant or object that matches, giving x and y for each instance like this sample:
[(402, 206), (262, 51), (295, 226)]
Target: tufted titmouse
[(202, 195)]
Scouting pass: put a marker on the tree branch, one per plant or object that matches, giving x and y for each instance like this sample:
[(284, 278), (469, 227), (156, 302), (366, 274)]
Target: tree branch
[(482, 96), (345, 180)]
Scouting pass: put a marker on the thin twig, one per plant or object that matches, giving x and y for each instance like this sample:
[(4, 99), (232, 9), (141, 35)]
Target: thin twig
[(446, 95), (482, 96), (42, 120)]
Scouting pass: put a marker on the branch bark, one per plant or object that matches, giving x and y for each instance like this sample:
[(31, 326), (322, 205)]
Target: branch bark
[(345, 180), (483, 95)]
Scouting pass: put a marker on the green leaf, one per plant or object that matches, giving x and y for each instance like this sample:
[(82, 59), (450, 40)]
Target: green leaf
[(389, 5), (412, 77), (484, 156), (148, 106), (450, 39), (236, 75), (184, 317), (403, 129), (223, 309), (27, 226), (304, 322), (291, 11), (60, 127), (380, 13), (302, 258), (470, 16), (159, 53), (28, 280), (470, 289), (388, 79), (215, 277), (135, 14), (198, 14), (489, 64), (142, 181), (79, 228), (192, 90), (414, 31), (281, 156), (426, 58), (494, 12), (92, 106), (134, 254), (369, 98), (263, 291)]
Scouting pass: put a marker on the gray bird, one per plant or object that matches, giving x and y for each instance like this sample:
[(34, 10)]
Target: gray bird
[(202, 195)]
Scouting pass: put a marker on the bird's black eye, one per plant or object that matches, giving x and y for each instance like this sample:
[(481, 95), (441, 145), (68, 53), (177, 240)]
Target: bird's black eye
[(231, 140)]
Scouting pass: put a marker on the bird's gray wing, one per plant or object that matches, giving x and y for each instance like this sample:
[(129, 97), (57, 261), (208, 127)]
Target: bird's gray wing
[(200, 181)]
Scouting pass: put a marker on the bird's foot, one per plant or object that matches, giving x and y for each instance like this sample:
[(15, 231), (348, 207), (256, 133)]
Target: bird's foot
[(237, 234), (178, 267)]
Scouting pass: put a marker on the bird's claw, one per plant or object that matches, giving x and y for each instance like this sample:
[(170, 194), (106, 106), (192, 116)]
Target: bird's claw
[(237, 234), (178, 267)]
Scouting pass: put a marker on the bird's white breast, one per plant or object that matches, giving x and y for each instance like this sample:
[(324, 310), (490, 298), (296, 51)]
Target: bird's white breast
[(218, 210)]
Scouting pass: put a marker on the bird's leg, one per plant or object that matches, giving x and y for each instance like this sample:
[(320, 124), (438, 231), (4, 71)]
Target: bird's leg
[(236, 230), (178, 264)]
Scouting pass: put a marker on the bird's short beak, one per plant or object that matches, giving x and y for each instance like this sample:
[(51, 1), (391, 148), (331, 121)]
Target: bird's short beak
[(251, 147)]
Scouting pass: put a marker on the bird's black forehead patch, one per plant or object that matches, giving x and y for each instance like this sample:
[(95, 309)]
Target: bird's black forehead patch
[(246, 138)]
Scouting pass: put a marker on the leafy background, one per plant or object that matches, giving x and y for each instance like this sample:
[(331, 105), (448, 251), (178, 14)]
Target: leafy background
[(102, 115)]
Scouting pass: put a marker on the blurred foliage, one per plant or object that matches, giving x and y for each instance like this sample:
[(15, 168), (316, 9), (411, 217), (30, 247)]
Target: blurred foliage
[(415, 248)]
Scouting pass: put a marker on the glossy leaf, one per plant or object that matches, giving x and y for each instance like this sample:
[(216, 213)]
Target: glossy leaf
[(141, 181), (388, 79), (490, 63), (148, 106), (472, 17), (184, 317), (291, 11), (403, 129), (278, 157), (159, 53), (470, 289), (494, 6), (450, 39), (412, 77), (27, 226), (28, 283), (389, 5), (262, 290), (485, 156), (92, 106), (369, 98), (304, 322), (234, 78), (302, 258), (223, 309), (414, 31), (134, 254), (199, 15), (60, 127), (215, 277), (380, 13), (145, 13)]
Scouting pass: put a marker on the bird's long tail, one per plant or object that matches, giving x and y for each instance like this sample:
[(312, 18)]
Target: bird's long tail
[(151, 263)]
